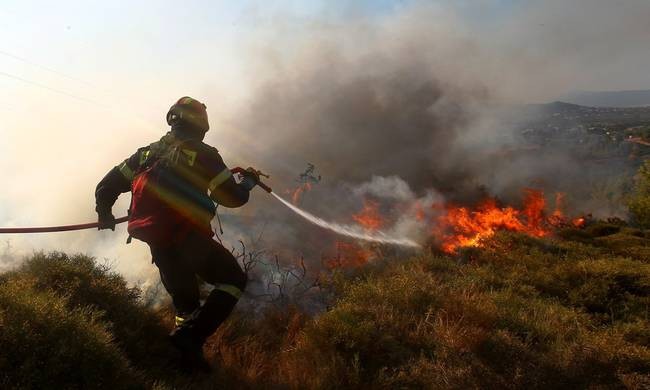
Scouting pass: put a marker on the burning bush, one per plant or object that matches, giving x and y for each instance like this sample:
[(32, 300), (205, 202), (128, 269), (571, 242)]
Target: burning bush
[(518, 312)]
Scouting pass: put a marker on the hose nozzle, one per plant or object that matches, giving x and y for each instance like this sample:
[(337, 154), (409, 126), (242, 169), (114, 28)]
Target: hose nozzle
[(257, 173)]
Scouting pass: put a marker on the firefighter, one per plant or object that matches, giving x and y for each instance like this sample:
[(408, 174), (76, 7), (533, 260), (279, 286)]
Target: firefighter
[(174, 183)]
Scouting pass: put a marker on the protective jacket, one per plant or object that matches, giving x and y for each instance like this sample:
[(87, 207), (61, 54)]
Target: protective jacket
[(199, 173), (174, 183)]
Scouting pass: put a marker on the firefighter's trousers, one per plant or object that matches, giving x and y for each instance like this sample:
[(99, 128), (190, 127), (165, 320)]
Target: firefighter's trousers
[(180, 264)]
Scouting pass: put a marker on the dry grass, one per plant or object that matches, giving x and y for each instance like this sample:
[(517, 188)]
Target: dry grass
[(518, 313)]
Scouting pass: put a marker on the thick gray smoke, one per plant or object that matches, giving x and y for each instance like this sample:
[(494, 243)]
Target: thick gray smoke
[(415, 98), (369, 100), (424, 97), (421, 94)]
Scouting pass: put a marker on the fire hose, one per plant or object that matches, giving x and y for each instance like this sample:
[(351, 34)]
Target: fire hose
[(342, 229), (51, 229), (93, 225)]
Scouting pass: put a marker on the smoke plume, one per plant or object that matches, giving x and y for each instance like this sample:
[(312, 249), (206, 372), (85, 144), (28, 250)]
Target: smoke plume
[(413, 104)]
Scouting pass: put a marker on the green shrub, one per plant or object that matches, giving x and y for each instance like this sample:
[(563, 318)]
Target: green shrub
[(639, 203), (517, 313), (44, 344), (600, 229), (87, 284), (93, 298), (573, 234)]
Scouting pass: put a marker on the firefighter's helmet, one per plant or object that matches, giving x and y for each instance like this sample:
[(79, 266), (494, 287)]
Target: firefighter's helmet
[(189, 111)]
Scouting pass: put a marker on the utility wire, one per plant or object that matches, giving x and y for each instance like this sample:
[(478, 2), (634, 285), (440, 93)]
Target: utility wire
[(110, 108), (86, 100), (15, 57), (33, 83)]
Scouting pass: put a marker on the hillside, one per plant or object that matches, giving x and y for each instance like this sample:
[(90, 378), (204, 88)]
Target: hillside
[(564, 312), (610, 98)]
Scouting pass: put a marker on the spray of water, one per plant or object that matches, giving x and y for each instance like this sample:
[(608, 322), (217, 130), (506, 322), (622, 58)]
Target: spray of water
[(350, 230)]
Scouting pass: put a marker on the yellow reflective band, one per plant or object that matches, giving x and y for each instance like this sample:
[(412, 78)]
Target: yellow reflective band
[(178, 321), (191, 156), (220, 179), (126, 171), (230, 289), (143, 156)]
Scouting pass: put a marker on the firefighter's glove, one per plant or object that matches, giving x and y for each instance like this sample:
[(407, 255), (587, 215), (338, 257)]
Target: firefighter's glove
[(250, 179), (105, 220)]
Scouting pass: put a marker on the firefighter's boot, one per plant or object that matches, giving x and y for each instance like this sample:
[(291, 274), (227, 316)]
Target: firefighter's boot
[(191, 349)]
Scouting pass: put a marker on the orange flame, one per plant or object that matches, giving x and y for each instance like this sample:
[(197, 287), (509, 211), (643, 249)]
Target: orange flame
[(534, 205), (454, 227), (369, 216), (298, 192), (420, 214), (559, 204), (459, 227), (559, 220), (579, 222)]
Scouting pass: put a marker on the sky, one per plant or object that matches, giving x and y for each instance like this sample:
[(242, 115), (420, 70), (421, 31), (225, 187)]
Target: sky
[(93, 54), (102, 73), (96, 46), (84, 83)]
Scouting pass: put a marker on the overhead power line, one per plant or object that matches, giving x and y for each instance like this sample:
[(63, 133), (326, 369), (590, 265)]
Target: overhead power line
[(33, 83), (43, 67)]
